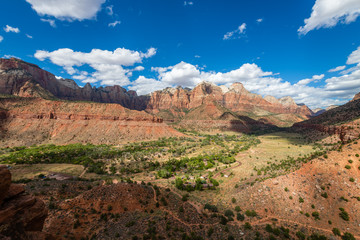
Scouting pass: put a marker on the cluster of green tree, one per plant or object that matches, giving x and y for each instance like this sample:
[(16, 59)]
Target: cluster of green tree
[(86, 155), (200, 162)]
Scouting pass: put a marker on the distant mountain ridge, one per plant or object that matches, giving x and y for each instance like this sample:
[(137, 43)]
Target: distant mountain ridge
[(24, 79), (343, 121)]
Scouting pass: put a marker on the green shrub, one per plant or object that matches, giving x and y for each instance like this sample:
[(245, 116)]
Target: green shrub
[(324, 195), (247, 225), (229, 213), (223, 220), (316, 236), (347, 236), (344, 215), (316, 215), (336, 232), (250, 213), (300, 235), (210, 207), (240, 217)]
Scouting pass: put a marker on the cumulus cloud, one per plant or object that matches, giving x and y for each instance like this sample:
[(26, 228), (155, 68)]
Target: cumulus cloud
[(327, 13), (139, 68), (67, 10), (116, 67), (314, 78), (354, 57), (1, 38), (113, 24), (144, 85), (260, 20), (110, 66), (11, 29), (238, 33), (337, 69), (29, 36), (50, 21), (331, 91)]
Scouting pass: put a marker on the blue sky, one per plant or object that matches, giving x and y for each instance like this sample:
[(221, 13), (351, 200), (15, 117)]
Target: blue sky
[(146, 45)]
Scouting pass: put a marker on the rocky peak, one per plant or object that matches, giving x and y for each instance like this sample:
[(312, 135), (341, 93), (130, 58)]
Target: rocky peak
[(287, 101), (356, 97), (88, 87), (68, 83), (206, 88), (331, 107), (237, 87), (272, 99)]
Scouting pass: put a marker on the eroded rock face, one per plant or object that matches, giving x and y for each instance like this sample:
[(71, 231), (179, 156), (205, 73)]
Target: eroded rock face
[(341, 121), (236, 98), (22, 216), (28, 121), (16, 76), (27, 80)]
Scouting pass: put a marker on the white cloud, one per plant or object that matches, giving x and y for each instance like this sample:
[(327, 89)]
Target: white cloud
[(150, 53), (11, 29), (188, 3), (67, 10), (113, 24), (334, 91), (139, 68), (238, 33), (29, 36), (184, 74), (327, 13), (354, 57), (260, 20), (110, 66), (109, 10), (10, 56), (144, 85), (337, 69), (315, 78), (50, 21), (1, 38), (197, 56)]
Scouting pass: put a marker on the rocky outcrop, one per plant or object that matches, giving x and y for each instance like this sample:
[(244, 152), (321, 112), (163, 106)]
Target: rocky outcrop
[(341, 121), (28, 121), (356, 97), (318, 111), (22, 216), (28, 80), (177, 102), (5, 181)]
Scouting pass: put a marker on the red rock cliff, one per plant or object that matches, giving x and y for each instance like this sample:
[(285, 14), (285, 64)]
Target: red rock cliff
[(22, 216)]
